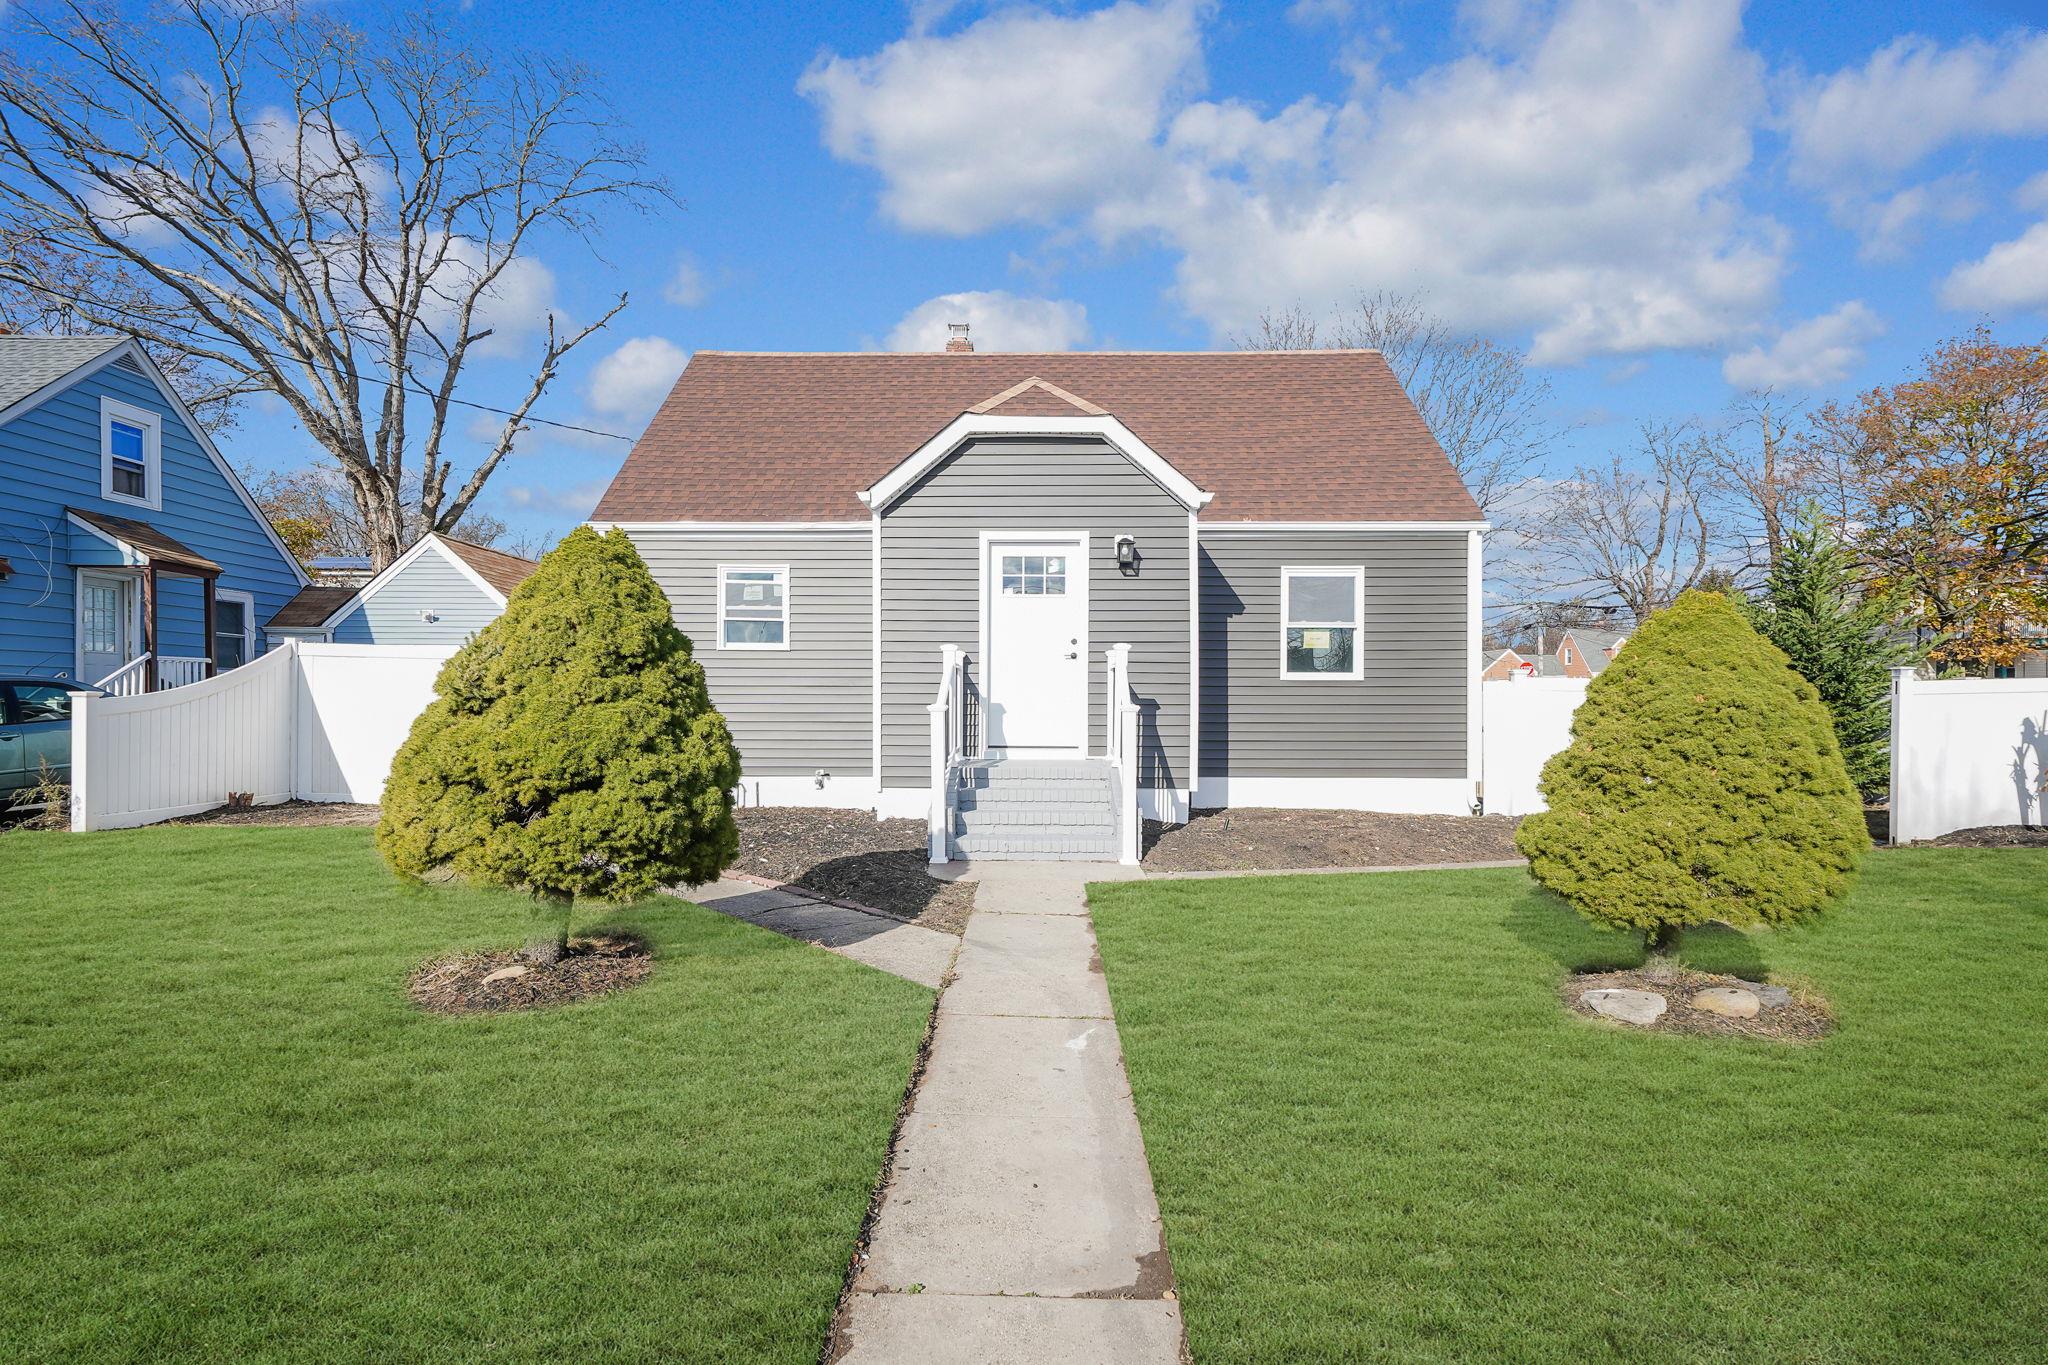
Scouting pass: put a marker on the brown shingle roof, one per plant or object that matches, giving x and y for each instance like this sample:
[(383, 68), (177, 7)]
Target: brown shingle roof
[(147, 541), (502, 571), (1275, 435), (309, 608)]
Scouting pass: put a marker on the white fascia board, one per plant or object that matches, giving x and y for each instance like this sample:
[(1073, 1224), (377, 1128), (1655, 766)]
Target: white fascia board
[(969, 425), (130, 556), (376, 585), (1298, 526), (448, 552), (733, 528)]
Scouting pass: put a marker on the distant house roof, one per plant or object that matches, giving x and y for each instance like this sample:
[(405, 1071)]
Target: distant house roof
[(29, 364), (1274, 435), (310, 607), (501, 570), (146, 541)]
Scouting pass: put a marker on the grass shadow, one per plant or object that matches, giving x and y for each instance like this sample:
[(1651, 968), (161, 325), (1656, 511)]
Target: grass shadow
[(1544, 921)]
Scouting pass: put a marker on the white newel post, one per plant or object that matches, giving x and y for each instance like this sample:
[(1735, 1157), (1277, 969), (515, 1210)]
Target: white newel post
[(1902, 685), (941, 719), (1123, 750)]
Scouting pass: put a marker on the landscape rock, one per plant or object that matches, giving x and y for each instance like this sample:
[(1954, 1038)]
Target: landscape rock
[(1641, 1008), (1733, 1002), (1771, 997), (512, 973)]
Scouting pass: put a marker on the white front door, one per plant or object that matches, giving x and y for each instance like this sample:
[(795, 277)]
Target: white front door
[(1034, 681), (106, 624)]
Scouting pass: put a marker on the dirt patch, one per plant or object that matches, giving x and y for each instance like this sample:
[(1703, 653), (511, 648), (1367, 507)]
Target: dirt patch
[(1993, 836), (1245, 839), (601, 964), (303, 813), (1790, 1014), (850, 855)]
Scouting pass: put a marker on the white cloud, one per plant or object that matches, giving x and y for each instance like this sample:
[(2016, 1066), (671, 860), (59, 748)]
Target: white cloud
[(1859, 131), (2012, 277), (1812, 354), (631, 382), (1308, 13), (1580, 182), (2033, 193), (997, 321), (1022, 116), (687, 288), (575, 502)]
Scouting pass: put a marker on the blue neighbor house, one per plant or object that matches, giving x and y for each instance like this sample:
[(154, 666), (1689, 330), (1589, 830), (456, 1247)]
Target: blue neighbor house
[(131, 555)]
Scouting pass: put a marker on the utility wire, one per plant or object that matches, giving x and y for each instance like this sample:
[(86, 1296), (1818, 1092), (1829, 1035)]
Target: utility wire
[(296, 360)]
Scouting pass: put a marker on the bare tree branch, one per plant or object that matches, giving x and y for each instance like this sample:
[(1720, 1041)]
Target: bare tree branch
[(308, 210)]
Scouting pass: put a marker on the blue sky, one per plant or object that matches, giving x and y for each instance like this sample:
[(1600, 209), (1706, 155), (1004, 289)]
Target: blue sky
[(1664, 201)]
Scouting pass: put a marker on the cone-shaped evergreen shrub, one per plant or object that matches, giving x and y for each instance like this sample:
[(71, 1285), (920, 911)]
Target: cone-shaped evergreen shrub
[(572, 749), (1703, 782)]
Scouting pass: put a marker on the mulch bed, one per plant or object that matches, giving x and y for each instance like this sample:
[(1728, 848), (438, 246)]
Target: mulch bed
[(1802, 1019), (850, 855), (1246, 839), (303, 813), (599, 965), (1994, 836)]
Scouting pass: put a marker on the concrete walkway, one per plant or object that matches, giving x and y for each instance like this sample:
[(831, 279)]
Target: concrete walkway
[(891, 945), (1019, 1223)]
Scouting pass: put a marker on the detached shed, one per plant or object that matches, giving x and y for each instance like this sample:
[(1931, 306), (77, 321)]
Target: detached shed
[(440, 592)]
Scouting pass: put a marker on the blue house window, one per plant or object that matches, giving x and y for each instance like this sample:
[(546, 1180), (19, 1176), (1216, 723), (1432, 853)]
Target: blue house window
[(131, 454)]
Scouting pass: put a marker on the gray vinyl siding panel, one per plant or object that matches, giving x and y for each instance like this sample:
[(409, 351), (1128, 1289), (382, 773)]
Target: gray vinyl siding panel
[(807, 707), (1405, 718), (931, 587), (429, 586)]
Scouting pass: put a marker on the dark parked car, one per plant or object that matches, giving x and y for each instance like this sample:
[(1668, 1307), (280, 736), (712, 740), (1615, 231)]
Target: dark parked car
[(35, 728)]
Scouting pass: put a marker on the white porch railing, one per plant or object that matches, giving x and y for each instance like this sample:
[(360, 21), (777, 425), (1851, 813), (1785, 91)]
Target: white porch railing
[(131, 679), (1122, 744), (954, 727)]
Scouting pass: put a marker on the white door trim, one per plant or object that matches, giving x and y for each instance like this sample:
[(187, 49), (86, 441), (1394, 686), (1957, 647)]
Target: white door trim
[(1079, 540), (131, 579)]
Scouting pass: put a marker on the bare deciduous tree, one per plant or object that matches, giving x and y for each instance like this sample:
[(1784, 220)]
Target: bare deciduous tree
[(1769, 472), (1642, 531), (1483, 406), (308, 210)]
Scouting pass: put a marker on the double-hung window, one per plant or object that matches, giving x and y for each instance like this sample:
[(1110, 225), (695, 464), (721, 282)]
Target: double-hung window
[(233, 634), (753, 606), (1320, 610), (131, 454)]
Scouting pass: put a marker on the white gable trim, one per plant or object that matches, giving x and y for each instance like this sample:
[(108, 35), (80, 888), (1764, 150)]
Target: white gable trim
[(969, 425), (133, 348), (430, 541)]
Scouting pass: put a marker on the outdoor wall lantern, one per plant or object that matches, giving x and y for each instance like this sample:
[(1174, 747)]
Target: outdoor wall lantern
[(1127, 555)]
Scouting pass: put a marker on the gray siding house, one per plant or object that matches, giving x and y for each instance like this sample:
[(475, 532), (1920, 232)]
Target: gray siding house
[(1035, 596), (439, 592)]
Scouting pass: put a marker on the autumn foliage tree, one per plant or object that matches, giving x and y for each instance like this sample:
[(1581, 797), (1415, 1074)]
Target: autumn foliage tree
[(1943, 480)]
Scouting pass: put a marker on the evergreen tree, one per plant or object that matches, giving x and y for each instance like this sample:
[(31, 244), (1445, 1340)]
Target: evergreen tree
[(1703, 782), (1840, 639), (572, 748)]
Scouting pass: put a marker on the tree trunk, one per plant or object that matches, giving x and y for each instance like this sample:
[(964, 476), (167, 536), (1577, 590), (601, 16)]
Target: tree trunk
[(1660, 962), (549, 938)]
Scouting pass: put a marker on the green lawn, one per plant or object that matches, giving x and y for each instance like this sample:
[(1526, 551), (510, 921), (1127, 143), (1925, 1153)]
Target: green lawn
[(225, 1134), (1376, 1135)]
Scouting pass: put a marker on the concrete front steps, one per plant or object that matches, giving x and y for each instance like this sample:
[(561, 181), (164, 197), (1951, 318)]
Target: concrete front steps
[(1022, 809)]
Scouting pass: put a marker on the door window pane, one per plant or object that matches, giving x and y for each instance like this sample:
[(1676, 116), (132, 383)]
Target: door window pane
[(102, 619)]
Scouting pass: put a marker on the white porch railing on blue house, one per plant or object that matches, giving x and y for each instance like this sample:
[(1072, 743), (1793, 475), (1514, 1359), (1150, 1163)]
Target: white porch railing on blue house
[(132, 678)]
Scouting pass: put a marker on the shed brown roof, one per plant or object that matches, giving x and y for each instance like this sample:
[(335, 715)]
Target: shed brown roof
[(310, 607), (1275, 435), (501, 570)]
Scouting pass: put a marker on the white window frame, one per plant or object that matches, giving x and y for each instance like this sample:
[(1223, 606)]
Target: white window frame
[(1356, 625), (114, 410), (781, 571), (248, 601)]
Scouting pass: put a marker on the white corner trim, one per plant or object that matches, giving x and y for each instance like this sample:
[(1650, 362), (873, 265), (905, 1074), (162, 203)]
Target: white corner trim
[(875, 638), (1475, 660), (1194, 773), (113, 410), (781, 571), (969, 425)]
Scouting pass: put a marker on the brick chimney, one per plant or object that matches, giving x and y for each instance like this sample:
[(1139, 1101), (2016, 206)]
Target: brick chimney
[(957, 343)]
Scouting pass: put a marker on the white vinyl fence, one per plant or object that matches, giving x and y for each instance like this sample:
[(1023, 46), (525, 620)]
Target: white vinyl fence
[(1523, 722), (1967, 753), (307, 721)]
